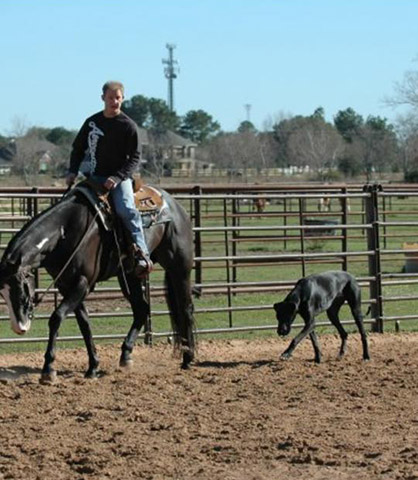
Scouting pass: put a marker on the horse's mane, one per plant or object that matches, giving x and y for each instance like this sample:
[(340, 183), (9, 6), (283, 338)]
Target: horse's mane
[(31, 230)]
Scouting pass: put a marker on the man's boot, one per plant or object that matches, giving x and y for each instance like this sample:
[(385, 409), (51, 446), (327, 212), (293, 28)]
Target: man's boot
[(142, 263)]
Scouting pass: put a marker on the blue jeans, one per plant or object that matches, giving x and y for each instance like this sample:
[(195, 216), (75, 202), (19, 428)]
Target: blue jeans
[(124, 204)]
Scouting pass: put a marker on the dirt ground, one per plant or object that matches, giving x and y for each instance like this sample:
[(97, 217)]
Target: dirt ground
[(239, 413)]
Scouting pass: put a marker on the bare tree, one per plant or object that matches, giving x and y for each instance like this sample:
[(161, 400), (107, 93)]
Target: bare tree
[(239, 151), (29, 153), (271, 120), (20, 127), (26, 160), (406, 91), (317, 145), (407, 133)]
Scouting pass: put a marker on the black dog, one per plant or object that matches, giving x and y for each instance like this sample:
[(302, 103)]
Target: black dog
[(313, 295)]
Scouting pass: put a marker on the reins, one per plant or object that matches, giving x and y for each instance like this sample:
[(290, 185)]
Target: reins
[(89, 228)]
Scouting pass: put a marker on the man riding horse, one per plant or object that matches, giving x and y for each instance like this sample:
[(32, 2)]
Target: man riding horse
[(110, 142)]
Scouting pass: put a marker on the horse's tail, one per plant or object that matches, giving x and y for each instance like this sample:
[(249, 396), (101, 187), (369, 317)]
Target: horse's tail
[(179, 301)]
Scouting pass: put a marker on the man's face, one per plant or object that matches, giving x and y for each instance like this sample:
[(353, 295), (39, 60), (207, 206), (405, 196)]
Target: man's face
[(113, 101)]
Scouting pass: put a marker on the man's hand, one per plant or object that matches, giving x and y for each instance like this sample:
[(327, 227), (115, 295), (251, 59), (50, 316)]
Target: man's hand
[(70, 179), (110, 184)]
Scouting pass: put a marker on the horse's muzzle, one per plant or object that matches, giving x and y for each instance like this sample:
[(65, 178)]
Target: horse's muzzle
[(21, 329)]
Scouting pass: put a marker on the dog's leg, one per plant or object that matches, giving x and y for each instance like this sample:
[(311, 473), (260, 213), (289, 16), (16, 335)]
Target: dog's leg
[(354, 300), (358, 317), (332, 313), (307, 330), (315, 344)]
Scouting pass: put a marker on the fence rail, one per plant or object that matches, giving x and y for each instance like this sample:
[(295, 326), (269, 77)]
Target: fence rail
[(245, 257)]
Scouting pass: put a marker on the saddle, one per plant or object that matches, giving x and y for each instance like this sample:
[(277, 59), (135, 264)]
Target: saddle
[(148, 200)]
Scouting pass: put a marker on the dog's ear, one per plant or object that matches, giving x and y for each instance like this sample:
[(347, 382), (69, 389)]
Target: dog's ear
[(285, 308), (276, 306)]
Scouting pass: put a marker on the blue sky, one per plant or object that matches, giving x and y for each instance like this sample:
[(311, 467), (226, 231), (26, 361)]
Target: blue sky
[(279, 56)]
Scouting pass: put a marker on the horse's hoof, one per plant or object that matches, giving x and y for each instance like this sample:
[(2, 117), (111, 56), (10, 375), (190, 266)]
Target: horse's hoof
[(91, 375), (185, 366), (48, 378), (126, 364)]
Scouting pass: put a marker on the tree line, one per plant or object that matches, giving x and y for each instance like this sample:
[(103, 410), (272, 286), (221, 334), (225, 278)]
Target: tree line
[(348, 146)]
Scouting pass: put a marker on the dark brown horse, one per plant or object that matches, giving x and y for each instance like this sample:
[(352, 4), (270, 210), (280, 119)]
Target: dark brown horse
[(70, 242)]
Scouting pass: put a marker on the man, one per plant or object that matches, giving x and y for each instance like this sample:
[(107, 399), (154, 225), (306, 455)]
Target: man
[(109, 140)]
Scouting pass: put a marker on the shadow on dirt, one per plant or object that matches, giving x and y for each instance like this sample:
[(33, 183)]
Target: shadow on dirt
[(15, 372), (255, 364)]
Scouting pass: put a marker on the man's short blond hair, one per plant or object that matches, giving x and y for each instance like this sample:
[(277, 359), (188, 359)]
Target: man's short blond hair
[(112, 85)]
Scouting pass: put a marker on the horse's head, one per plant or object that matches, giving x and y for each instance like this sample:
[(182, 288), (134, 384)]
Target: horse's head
[(17, 287)]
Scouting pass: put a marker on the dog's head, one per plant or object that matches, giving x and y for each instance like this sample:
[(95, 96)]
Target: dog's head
[(285, 314)]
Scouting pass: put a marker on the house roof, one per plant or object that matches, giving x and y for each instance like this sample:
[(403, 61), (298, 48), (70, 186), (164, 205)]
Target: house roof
[(165, 138), (38, 146)]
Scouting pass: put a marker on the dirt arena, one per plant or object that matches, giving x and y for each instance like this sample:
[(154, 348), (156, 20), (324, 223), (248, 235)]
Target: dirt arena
[(238, 414)]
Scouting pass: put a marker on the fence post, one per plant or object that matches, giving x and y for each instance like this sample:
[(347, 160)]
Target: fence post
[(302, 204), (344, 219), (33, 210), (197, 190), (372, 218), (228, 264), (235, 234), (148, 322)]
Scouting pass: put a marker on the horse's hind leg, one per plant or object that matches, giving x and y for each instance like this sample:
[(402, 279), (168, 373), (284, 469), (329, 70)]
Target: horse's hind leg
[(69, 303), (179, 300), (84, 325), (140, 309)]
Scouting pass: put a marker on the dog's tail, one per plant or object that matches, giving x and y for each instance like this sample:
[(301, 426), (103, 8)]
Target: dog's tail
[(368, 311)]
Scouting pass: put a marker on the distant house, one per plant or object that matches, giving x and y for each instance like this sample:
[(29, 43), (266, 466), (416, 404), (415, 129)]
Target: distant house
[(6, 158), (167, 149), (27, 149)]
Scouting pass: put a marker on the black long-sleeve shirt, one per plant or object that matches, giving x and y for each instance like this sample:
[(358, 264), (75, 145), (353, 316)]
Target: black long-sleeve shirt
[(111, 144)]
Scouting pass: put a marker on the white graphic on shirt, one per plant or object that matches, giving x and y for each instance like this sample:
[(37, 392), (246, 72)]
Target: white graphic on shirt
[(93, 138)]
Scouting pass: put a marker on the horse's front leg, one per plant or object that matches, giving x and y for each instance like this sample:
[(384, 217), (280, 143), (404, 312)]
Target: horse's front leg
[(70, 301), (132, 289), (84, 325)]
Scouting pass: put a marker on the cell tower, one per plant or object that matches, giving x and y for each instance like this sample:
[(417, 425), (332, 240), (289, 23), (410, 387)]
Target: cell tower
[(247, 107), (170, 72)]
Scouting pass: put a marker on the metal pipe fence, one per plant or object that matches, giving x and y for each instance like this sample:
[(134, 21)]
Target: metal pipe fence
[(246, 259)]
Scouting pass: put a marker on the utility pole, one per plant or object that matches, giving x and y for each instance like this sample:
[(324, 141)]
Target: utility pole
[(170, 72)]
